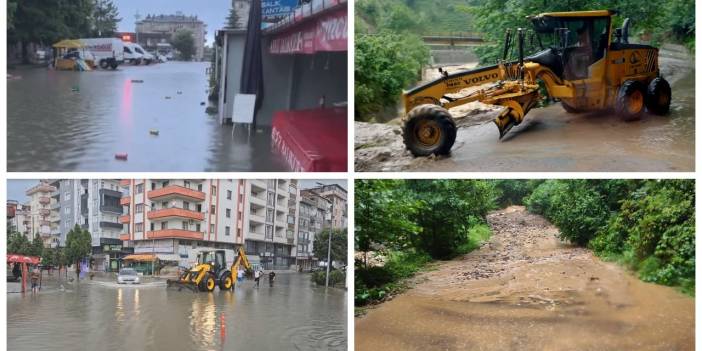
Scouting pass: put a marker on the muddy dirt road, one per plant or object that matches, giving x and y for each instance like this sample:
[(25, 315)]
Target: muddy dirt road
[(550, 139), (527, 290)]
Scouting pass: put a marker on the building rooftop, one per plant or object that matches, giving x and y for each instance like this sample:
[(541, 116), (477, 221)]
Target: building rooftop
[(170, 18)]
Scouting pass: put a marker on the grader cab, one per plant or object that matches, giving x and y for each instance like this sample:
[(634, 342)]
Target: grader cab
[(581, 61)]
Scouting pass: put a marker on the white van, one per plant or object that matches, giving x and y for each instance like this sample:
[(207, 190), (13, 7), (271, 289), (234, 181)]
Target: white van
[(108, 52), (131, 55), (148, 58)]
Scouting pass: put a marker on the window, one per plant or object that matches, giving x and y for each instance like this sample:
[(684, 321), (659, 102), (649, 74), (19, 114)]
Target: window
[(67, 210), (227, 231), (139, 188), (212, 229), (164, 184), (186, 183), (198, 227), (214, 191), (139, 208), (269, 232), (164, 204), (229, 213), (199, 207), (269, 215), (199, 187), (186, 226), (139, 227), (153, 186), (186, 205), (238, 232), (212, 209), (164, 225), (153, 226), (229, 194)]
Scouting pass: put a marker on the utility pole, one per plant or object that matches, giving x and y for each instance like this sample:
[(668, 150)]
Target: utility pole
[(331, 227)]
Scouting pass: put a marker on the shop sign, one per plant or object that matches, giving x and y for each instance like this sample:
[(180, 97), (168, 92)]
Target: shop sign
[(329, 33)]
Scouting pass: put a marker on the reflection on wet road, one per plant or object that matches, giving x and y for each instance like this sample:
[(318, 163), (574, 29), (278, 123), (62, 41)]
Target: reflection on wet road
[(292, 315), (73, 121)]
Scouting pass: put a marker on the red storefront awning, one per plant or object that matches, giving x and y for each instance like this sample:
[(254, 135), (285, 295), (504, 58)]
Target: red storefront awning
[(328, 32), (312, 140)]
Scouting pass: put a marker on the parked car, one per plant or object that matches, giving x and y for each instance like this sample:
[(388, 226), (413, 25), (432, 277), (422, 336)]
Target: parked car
[(128, 276), (107, 52)]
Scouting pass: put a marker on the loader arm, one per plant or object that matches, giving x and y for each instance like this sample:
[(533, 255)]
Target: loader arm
[(241, 259)]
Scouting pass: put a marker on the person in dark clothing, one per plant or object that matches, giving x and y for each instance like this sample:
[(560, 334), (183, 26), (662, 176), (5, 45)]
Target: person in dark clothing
[(16, 271), (271, 278)]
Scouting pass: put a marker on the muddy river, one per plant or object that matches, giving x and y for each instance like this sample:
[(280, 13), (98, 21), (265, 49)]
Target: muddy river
[(526, 290), (292, 315), (78, 121), (550, 139)]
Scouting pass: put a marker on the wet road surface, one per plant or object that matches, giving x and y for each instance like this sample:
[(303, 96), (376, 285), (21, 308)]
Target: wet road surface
[(292, 315), (526, 290), (51, 127), (550, 139)]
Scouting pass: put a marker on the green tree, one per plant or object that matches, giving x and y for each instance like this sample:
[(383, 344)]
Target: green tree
[(18, 243), (232, 19), (105, 18), (184, 42), (36, 248), (339, 245), (78, 246), (11, 9)]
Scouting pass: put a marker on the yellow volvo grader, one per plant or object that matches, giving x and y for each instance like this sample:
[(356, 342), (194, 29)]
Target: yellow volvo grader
[(211, 271), (580, 62)]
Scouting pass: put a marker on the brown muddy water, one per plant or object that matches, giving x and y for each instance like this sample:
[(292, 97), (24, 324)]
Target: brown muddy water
[(526, 290), (550, 139), (294, 314), (51, 127)]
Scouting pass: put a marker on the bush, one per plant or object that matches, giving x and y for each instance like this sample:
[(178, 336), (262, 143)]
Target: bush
[(335, 277)]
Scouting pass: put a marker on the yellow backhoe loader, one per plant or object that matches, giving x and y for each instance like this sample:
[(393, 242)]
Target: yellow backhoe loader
[(211, 271), (582, 62)]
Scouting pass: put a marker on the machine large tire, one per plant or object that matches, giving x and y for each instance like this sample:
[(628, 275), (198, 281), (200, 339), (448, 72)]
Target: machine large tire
[(630, 100), (429, 129), (113, 66), (207, 283), (225, 282), (104, 64), (570, 109), (658, 96)]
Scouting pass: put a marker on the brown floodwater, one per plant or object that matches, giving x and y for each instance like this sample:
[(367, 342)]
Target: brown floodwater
[(527, 290)]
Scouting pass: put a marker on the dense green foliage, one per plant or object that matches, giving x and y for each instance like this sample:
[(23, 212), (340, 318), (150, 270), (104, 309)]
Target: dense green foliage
[(184, 42), (647, 225), (659, 20), (410, 222), (46, 22), (78, 246), (339, 245), (513, 192), (336, 277)]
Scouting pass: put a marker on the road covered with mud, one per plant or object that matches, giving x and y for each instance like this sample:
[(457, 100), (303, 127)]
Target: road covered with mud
[(551, 139), (525, 289)]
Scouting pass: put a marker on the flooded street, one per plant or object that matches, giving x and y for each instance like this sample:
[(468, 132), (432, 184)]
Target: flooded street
[(78, 121), (525, 289), (550, 139), (292, 315)]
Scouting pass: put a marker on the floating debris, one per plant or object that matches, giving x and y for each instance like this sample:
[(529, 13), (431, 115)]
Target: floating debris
[(202, 103), (137, 81), (75, 89), (168, 97), (180, 92), (121, 156), (153, 131)]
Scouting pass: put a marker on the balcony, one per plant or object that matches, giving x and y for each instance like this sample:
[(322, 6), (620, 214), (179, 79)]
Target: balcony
[(44, 200), (125, 201), (174, 234), (124, 236), (113, 225), (176, 191), (44, 211), (124, 182), (124, 219), (176, 212)]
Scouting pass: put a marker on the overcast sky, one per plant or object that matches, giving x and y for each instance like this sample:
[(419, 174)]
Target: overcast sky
[(212, 12), (16, 188)]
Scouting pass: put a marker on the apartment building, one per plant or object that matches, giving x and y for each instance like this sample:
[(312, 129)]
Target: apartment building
[(313, 211), (160, 29), (37, 212), (94, 205), (338, 195)]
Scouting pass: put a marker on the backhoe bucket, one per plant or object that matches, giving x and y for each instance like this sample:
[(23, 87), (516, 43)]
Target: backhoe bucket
[(181, 284), (504, 123)]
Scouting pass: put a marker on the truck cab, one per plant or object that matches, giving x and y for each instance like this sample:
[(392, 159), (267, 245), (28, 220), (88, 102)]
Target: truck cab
[(131, 55)]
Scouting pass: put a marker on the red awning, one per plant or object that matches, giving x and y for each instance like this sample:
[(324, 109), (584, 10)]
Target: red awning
[(326, 33), (312, 140), (12, 258)]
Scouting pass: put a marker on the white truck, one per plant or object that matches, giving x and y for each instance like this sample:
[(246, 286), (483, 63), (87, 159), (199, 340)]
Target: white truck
[(131, 54), (147, 57), (108, 52)]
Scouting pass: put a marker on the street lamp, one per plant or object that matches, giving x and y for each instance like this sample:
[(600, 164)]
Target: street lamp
[(331, 227)]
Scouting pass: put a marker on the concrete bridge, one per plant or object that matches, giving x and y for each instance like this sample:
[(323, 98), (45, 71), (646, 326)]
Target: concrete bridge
[(454, 39)]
